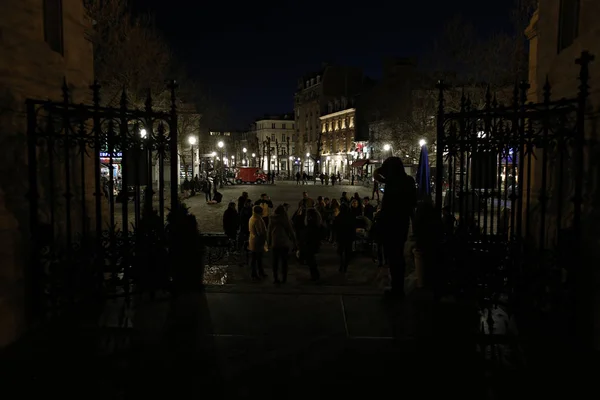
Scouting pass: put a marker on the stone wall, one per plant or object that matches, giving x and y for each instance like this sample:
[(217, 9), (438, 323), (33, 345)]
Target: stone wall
[(562, 73), (29, 69)]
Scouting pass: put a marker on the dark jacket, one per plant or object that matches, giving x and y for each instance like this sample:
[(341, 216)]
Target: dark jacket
[(241, 202), (280, 233), (344, 226), (369, 211), (231, 222), (245, 216)]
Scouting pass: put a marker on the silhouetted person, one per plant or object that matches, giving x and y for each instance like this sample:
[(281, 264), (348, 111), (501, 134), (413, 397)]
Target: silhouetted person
[(231, 221), (241, 201), (375, 190), (313, 234), (345, 232), (397, 207), (207, 189)]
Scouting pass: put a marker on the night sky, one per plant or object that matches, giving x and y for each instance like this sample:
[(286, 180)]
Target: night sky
[(252, 53)]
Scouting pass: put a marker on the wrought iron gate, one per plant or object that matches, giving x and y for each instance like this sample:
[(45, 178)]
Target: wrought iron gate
[(94, 234), (513, 179)]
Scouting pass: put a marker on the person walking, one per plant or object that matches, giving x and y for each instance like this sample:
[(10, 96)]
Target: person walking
[(375, 191), (298, 177), (257, 243), (281, 239)]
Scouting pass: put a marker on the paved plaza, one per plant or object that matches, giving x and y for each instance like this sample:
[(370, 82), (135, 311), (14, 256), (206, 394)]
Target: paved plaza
[(210, 215), (363, 272)]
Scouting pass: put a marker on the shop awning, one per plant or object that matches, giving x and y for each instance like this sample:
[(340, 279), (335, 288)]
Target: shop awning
[(359, 163)]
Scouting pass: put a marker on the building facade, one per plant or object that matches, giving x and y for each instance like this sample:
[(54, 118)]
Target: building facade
[(313, 95), (275, 136), (338, 137), (558, 33), (43, 42)]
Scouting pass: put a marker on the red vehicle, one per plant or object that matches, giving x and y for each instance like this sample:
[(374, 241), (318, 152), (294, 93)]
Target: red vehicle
[(250, 175)]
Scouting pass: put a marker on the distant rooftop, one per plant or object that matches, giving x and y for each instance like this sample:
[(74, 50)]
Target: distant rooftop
[(277, 117)]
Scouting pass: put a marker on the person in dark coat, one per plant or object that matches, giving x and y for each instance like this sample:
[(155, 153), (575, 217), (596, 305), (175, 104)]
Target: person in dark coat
[(397, 208), (207, 189), (345, 231), (242, 200), (311, 241), (245, 215), (368, 208), (231, 221)]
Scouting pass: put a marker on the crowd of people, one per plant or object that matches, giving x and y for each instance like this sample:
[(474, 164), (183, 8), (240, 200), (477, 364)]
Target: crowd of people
[(208, 186), (259, 227)]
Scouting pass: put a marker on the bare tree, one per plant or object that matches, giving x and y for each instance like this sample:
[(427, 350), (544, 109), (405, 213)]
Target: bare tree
[(128, 53), (472, 65)]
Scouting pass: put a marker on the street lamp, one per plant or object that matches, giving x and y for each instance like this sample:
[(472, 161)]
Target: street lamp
[(244, 150), (422, 142), (192, 142), (220, 145), (307, 163), (386, 147)]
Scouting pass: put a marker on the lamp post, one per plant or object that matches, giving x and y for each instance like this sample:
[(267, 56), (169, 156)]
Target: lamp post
[(291, 158), (220, 145), (244, 150), (386, 148), (192, 142), (307, 163), (254, 159)]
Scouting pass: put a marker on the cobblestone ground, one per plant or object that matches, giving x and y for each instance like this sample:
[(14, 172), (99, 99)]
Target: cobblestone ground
[(363, 271)]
